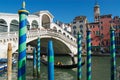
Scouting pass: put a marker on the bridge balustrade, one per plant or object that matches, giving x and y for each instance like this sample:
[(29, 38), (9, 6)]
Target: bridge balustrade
[(66, 39), (8, 36)]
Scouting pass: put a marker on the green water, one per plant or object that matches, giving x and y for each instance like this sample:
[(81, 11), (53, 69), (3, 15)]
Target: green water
[(100, 70)]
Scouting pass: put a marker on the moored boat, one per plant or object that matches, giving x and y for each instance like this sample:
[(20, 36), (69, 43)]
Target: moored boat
[(3, 64)]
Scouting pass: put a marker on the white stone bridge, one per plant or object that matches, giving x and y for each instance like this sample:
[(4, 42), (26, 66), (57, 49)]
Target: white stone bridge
[(12, 37), (39, 24)]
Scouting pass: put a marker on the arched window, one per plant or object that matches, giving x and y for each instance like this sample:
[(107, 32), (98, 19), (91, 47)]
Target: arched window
[(46, 21), (3, 25), (34, 24), (28, 25), (64, 34), (81, 26), (59, 31), (14, 25), (74, 27), (81, 31), (68, 36), (54, 29)]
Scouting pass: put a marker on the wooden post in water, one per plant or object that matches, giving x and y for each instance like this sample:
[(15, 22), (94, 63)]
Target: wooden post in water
[(9, 62), (50, 61)]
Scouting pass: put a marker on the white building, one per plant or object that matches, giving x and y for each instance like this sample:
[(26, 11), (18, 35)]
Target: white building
[(40, 20), (65, 26), (79, 25)]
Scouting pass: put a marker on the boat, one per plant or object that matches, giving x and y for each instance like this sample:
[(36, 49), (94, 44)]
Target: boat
[(62, 66), (3, 64), (67, 66)]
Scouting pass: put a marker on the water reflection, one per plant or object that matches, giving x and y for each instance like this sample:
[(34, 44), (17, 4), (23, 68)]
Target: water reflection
[(100, 70)]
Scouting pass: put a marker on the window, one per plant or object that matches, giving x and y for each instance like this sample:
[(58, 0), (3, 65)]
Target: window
[(74, 33), (81, 21), (14, 25), (81, 26), (74, 22), (81, 31), (90, 26), (74, 27), (34, 24), (101, 27), (97, 33)]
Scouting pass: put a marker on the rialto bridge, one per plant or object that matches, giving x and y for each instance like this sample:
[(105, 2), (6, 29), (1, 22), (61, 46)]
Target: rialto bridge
[(39, 24)]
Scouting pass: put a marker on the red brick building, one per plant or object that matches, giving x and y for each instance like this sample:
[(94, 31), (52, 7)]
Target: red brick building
[(100, 30)]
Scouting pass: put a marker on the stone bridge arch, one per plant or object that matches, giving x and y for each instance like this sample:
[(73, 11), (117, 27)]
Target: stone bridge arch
[(59, 46)]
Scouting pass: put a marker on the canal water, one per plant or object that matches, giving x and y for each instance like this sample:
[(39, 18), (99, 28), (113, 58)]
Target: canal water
[(100, 70)]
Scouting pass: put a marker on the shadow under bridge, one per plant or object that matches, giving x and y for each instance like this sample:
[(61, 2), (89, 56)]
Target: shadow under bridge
[(59, 47)]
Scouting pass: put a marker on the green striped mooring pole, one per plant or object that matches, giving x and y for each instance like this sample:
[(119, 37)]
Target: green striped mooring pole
[(22, 43), (38, 57), (89, 75), (79, 71), (34, 63), (113, 54)]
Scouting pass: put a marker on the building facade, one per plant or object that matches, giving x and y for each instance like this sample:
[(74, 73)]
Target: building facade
[(100, 31), (79, 26)]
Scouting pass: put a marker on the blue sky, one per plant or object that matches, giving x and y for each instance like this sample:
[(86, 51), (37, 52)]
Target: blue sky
[(63, 10)]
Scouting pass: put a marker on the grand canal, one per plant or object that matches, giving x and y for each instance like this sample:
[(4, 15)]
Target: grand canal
[(100, 70)]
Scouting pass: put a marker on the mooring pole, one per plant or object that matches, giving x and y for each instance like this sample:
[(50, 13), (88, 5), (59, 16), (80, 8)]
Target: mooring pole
[(38, 57), (9, 62), (50, 61), (79, 45), (89, 75), (34, 63), (113, 54), (22, 43)]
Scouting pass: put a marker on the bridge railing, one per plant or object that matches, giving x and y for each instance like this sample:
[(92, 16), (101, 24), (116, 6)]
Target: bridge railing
[(63, 30), (66, 39), (51, 33), (4, 36)]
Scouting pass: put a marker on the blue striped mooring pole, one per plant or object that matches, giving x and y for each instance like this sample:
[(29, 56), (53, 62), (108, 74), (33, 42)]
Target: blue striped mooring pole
[(34, 63), (50, 61), (22, 43), (79, 45), (89, 74), (113, 54), (38, 57)]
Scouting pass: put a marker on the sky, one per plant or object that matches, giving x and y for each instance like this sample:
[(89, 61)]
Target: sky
[(63, 10)]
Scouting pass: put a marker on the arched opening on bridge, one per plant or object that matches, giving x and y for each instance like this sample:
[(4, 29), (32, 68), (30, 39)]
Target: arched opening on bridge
[(64, 34), (46, 21), (14, 25), (59, 47), (3, 25), (59, 31), (67, 36), (34, 24), (54, 29), (28, 25)]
